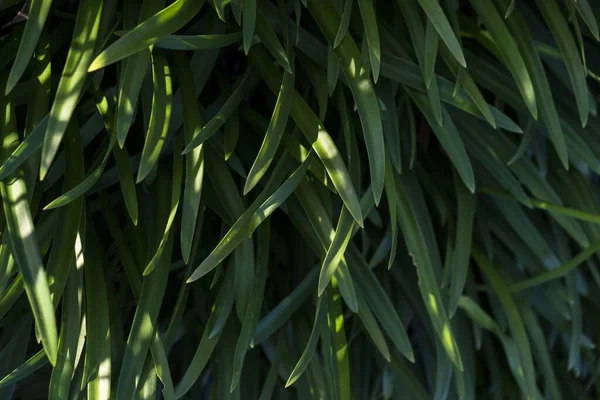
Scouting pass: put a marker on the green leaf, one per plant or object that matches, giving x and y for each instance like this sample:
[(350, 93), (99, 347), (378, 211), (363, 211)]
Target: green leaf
[(267, 202), (86, 184), (36, 19), (269, 385), (232, 135), (72, 80), (568, 49), (321, 225), (24, 150), (7, 263), (132, 75), (194, 161), (15, 351), (548, 111), (199, 42), (279, 196), (24, 245), (336, 249), (126, 182), (418, 234), (559, 271), (254, 304), (514, 319), (585, 10), (34, 363), (542, 352), (509, 9), (243, 262), (162, 102), (284, 310), (430, 53), (403, 71), (443, 373), (362, 91), (449, 139), (464, 238), (220, 8), (338, 350), (248, 10), (491, 162), (173, 206), (222, 306), (311, 346), (436, 15), (368, 287), (528, 136), (372, 328), (344, 23), (508, 50), (144, 35), (269, 40), (367, 11), (241, 89), (531, 179), (144, 324), (391, 194), (466, 82), (98, 334), (317, 136), (274, 132), (65, 237), (333, 71)]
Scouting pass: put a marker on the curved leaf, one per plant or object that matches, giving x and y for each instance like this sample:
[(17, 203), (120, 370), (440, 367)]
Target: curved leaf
[(162, 24)]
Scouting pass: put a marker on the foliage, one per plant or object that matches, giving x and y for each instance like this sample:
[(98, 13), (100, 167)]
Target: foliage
[(299, 198)]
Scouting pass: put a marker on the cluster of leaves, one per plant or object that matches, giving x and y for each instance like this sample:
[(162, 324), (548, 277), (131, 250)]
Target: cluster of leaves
[(299, 198)]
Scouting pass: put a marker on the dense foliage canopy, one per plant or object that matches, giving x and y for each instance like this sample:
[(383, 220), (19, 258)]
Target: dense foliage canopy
[(334, 199)]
